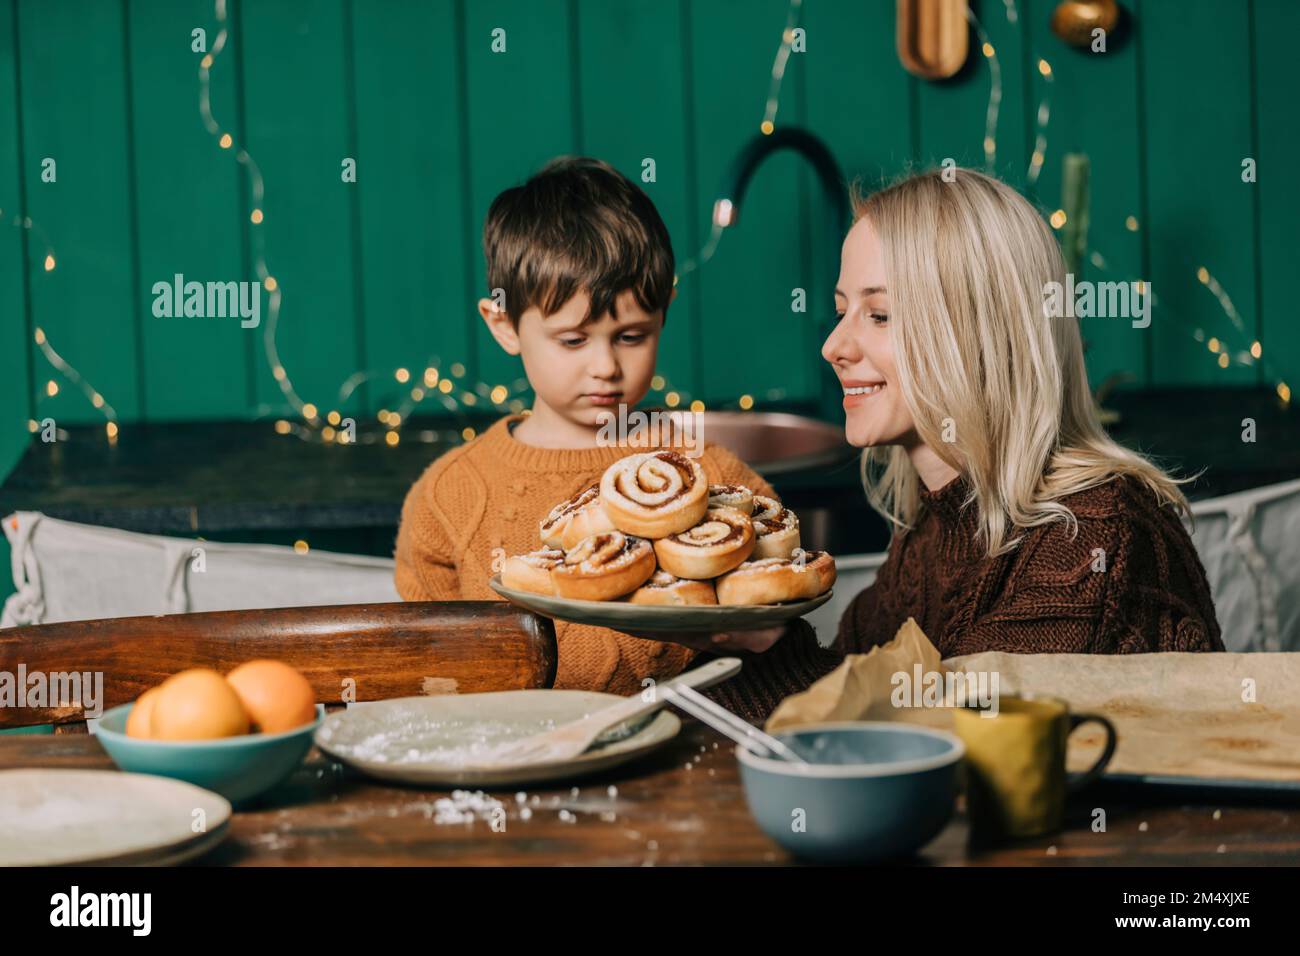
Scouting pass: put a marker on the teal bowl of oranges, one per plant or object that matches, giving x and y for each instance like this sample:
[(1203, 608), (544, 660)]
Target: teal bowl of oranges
[(239, 735)]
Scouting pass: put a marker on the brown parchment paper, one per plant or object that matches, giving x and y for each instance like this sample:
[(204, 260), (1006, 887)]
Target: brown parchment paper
[(1219, 716)]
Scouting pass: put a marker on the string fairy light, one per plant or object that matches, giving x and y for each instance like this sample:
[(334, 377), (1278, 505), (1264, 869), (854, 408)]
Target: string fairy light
[(47, 350), (992, 111), (793, 17), (500, 396), (1224, 355)]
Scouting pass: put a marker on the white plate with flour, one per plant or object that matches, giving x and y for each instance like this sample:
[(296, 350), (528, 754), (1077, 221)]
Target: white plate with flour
[(105, 818), (436, 741)]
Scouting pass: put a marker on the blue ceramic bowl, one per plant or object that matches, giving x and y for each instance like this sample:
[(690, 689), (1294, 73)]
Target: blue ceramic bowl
[(871, 791), (238, 768)]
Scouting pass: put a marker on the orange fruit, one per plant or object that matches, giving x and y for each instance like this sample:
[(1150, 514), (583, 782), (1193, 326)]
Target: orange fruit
[(137, 724), (196, 704), (276, 696)]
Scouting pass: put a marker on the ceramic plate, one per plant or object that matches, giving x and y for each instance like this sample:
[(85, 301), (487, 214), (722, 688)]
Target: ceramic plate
[(104, 817), (432, 740), (642, 617)]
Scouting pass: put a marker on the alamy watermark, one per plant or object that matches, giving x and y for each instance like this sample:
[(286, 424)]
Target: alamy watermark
[(922, 688), (57, 689), (1105, 300), (679, 430), (209, 300)]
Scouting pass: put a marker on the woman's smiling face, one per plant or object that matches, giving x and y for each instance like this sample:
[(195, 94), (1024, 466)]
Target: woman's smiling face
[(860, 348)]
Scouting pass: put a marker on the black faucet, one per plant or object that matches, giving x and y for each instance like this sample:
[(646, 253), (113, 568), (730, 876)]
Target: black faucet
[(731, 193)]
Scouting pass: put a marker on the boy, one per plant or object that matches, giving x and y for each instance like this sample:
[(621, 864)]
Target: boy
[(581, 269)]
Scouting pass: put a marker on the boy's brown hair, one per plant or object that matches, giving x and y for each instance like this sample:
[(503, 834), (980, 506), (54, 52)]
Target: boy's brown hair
[(577, 225)]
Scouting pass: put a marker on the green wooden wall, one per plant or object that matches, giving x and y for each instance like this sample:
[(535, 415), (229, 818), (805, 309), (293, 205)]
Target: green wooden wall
[(383, 273)]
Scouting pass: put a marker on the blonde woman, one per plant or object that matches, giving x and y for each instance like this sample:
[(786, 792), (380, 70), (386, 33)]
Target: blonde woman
[(1018, 524)]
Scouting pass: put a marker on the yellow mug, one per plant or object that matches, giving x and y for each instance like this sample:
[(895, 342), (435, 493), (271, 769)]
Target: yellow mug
[(1015, 764)]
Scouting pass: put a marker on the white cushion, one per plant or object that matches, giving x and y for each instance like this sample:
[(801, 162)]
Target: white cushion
[(64, 571)]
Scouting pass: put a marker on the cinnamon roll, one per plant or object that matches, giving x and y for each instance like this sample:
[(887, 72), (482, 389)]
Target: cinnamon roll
[(717, 544), (603, 567), (553, 525), (731, 496), (665, 588), (532, 571), (773, 580), (776, 527), (655, 494)]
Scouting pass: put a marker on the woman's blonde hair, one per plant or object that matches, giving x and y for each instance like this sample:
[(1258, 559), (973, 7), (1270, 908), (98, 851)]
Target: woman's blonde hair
[(980, 361)]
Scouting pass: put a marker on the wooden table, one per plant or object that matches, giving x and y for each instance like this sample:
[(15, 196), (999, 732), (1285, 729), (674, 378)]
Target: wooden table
[(681, 805)]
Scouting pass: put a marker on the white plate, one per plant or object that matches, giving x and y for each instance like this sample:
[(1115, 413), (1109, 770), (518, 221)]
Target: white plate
[(431, 740), (104, 817)]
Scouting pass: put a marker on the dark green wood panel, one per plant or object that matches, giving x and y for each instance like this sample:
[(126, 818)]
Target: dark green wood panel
[(1277, 23), (520, 114), (190, 218), (752, 342), (410, 189), (1196, 75), (296, 108), (15, 391), (1094, 111), (644, 116), (74, 111), (952, 114), (858, 102)]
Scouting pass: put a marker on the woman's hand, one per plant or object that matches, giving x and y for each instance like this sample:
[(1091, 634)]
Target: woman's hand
[(755, 642)]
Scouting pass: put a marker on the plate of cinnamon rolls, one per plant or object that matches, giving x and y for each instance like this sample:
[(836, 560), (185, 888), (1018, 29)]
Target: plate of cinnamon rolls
[(654, 546)]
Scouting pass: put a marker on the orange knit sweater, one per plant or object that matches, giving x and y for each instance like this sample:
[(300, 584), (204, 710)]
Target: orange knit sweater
[(485, 500)]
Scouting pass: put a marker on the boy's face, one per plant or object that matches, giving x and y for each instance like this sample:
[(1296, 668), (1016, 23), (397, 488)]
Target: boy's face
[(582, 370)]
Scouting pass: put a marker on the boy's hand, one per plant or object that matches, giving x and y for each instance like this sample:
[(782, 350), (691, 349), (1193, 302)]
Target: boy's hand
[(755, 642)]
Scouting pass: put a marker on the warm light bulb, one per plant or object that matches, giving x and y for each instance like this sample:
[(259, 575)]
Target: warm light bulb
[(51, 388), (97, 400), (225, 141), (768, 127), (392, 438), (282, 427), (1203, 274), (445, 386), (256, 216), (111, 429), (327, 433), (1131, 224), (988, 49), (333, 418), (49, 263), (499, 394), (747, 401), (672, 399), (457, 369), (1044, 68), (467, 433), (402, 375), (309, 410), (1223, 360), (1256, 349), (301, 547), (430, 377), (657, 383), (270, 284), (1058, 219), (697, 406), (40, 337)]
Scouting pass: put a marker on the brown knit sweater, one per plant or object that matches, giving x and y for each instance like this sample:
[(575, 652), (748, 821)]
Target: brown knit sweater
[(1045, 595), (485, 500)]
